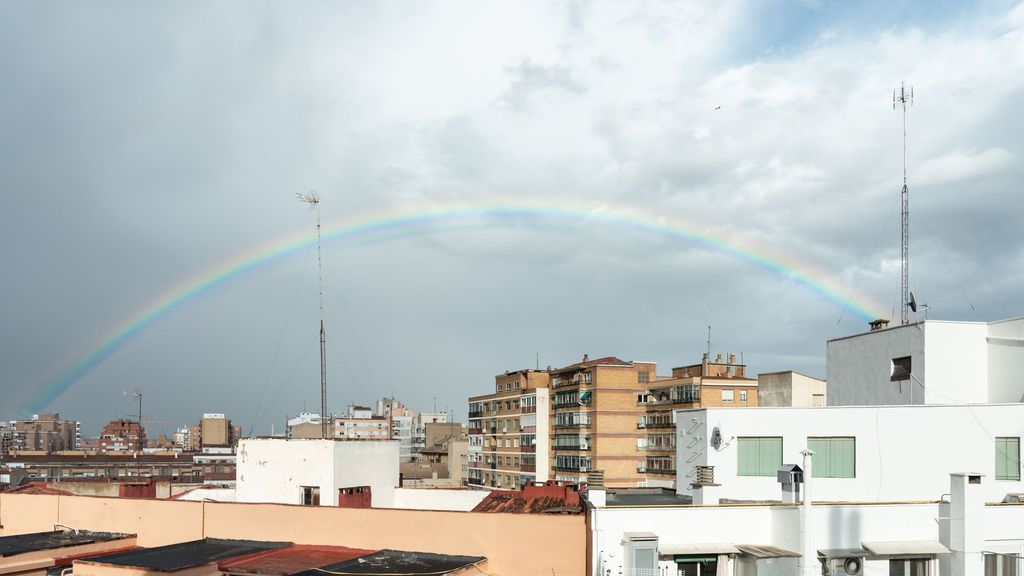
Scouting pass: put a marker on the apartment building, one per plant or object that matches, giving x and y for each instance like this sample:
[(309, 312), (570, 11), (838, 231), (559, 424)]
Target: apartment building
[(44, 432), (419, 429), (717, 383), (509, 431), (122, 435), (596, 405)]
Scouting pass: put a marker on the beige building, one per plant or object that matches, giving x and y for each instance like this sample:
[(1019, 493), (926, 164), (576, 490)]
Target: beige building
[(442, 462), (596, 405), (45, 432), (790, 388), (509, 431), (712, 383)]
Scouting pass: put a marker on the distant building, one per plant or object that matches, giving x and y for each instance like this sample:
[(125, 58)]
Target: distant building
[(400, 424), (442, 461), (305, 426), (360, 423), (317, 472), (928, 362), (790, 389), (719, 382), (46, 433), (419, 432), (121, 436), (509, 434)]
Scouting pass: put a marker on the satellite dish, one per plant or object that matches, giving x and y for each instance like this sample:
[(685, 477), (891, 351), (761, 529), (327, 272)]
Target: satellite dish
[(913, 302), (716, 438)]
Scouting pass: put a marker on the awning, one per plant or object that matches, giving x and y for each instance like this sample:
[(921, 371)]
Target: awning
[(766, 551), (905, 548), (707, 549)]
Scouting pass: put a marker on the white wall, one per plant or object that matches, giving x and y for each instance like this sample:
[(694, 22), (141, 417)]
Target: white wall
[(956, 357), (859, 367), (437, 499), (902, 452), (275, 470), (834, 526), (1006, 361), (543, 435)]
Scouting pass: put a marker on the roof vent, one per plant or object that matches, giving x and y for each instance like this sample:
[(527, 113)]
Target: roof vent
[(878, 324)]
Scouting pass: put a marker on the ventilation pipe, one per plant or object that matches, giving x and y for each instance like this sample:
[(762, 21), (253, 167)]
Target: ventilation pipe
[(809, 565)]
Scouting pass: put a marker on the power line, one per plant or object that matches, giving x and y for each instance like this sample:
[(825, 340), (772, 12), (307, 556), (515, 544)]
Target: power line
[(946, 262)]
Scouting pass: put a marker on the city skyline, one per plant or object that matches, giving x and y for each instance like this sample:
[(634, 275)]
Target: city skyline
[(508, 187)]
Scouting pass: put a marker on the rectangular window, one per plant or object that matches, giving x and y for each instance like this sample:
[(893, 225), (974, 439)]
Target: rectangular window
[(759, 456), (728, 395), (834, 457), (310, 495), (517, 385), (899, 369), (1008, 458), (587, 377), (643, 377), (743, 395)]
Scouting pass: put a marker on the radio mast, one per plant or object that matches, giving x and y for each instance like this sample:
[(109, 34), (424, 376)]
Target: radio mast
[(313, 200), (903, 97)]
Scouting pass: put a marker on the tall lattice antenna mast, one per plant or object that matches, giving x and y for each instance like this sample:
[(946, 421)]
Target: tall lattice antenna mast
[(313, 200), (904, 96)]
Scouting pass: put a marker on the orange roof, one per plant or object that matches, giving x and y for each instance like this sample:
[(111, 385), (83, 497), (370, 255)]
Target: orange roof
[(287, 561), (39, 488)]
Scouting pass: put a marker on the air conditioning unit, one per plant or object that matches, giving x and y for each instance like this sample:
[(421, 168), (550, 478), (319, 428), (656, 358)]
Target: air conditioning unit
[(583, 468), (843, 566)]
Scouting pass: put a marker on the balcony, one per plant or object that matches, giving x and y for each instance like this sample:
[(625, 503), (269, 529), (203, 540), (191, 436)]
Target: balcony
[(565, 425), (476, 414), (530, 449), (527, 409), (528, 468), (574, 447), (564, 468), (476, 431), (660, 425)]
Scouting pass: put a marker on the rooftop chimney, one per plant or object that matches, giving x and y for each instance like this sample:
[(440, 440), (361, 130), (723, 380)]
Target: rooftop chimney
[(586, 357), (732, 358), (718, 359), (878, 324)]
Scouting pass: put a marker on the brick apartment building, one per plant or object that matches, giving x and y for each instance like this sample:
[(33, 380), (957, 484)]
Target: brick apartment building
[(509, 431), (122, 436)]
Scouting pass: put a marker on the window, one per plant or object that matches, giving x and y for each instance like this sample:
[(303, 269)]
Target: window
[(642, 398), (1007, 458), (743, 395), (310, 495), (587, 376), (517, 384), (900, 369), (643, 377), (834, 457), (728, 395), (759, 456)]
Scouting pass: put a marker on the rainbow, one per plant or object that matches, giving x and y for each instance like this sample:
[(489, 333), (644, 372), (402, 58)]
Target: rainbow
[(392, 224)]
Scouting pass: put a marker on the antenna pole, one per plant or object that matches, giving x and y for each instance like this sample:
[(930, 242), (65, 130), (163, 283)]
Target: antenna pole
[(313, 200), (905, 96), (141, 447), (709, 341)]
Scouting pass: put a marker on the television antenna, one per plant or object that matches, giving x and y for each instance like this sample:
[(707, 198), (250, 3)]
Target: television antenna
[(313, 200), (904, 96), (137, 396)]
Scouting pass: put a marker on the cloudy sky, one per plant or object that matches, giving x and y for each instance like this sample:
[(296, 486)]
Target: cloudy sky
[(681, 164)]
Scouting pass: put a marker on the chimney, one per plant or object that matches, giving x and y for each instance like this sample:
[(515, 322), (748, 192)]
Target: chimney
[(732, 358), (966, 523), (878, 324), (718, 359), (586, 357)]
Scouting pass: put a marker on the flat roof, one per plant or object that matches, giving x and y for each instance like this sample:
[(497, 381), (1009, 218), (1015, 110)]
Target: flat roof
[(288, 561), (394, 561), (645, 497), (22, 543), (187, 554)]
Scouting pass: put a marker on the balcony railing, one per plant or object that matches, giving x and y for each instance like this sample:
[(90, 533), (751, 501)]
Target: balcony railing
[(528, 468), (527, 409), (476, 430), (565, 468), (527, 448), (660, 425), (476, 414), (576, 447), (581, 424)]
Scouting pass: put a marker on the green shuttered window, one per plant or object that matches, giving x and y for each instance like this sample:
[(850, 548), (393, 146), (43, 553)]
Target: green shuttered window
[(834, 457), (760, 456), (1007, 458)]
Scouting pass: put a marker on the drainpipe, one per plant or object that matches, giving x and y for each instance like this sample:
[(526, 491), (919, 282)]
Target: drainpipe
[(809, 565)]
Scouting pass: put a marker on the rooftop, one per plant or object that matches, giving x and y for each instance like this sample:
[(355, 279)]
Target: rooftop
[(22, 543), (288, 561), (646, 497), (187, 554), (551, 497), (395, 562)]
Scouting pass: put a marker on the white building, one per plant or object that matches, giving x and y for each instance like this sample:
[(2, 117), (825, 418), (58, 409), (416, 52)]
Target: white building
[(929, 362), (957, 536), (419, 429), (313, 472), (866, 453)]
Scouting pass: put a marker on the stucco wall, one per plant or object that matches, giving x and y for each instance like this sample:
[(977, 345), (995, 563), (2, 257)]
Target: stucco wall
[(902, 452), (859, 367), (275, 470), (438, 499), (514, 544), (956, 361)]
